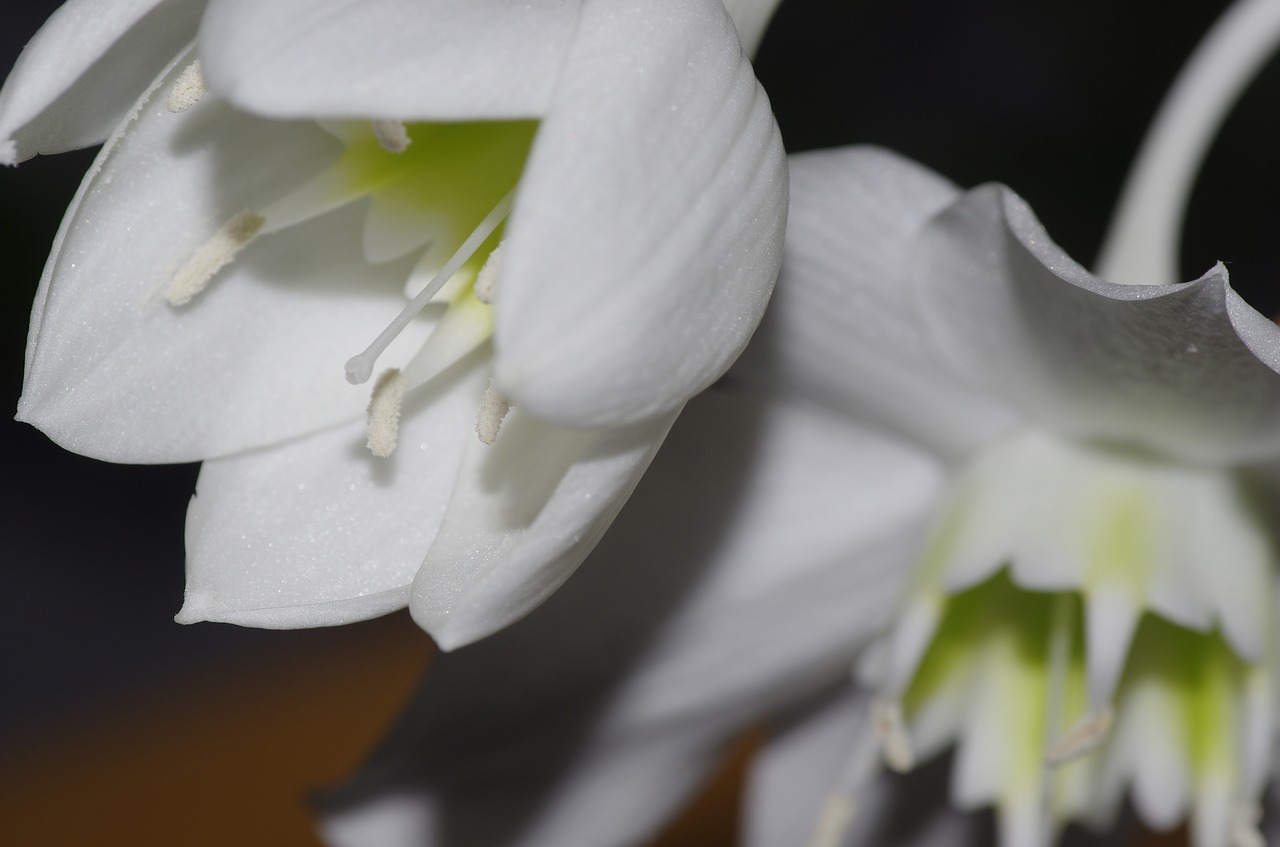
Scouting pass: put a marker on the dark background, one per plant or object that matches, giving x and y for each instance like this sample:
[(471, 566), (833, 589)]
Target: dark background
[(1049, 97)]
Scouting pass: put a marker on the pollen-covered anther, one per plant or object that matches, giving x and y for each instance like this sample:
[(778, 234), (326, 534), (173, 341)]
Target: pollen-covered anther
[(1244, 830), (391, 135), (213, 256), (891, 732), (487, 279), (493, 408), (1083, 738), (187, 89), (383, 425)]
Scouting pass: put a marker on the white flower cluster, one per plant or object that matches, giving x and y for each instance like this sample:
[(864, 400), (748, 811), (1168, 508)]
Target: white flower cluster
[(960, 493)]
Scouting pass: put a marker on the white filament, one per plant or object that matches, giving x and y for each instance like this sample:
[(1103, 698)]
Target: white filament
[(383, 422), (1083, 738), (1244, 826), (360, 368), (187, 89), (891, 732), (213, 256)]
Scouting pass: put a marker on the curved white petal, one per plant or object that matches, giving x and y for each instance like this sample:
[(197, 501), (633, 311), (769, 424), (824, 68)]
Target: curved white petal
[(751, 17), (647, 232), (396, 59), (745, 523), (318, 531), (116, 372), (1175, 368), (844, 327), (682, 626), (80, 74), (525, 512)]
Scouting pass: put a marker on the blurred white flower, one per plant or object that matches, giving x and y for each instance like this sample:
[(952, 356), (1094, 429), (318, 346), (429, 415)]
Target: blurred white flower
[(231, 250), (1036, 509)]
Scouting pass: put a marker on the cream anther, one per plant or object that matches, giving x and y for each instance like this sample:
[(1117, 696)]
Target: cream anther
[(891, 732), (383, 423), (833, 823), (213, 256), (1244, 830), (1083, 738), (487, 279), (392, 135), (493, 408), (187, 89), (360, 368)]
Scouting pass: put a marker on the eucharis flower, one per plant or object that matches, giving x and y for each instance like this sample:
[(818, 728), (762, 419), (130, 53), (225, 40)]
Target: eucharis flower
[(1034, 508), (583, 203)]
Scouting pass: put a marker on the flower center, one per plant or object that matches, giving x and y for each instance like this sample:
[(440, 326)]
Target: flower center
[(1085, 622), (442, 189)]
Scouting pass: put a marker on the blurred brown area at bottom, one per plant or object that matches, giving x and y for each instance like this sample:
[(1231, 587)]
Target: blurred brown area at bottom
[(227, 753)]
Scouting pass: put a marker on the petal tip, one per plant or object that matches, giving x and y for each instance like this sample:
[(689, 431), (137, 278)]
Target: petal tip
[(196, 608), (8, 152)]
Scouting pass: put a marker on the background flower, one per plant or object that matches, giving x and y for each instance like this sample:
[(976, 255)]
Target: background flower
[(986, 91)]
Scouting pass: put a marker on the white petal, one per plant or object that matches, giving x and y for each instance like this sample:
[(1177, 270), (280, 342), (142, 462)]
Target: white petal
[(1234, 566), (648, 229), (116, 372), (525, 512), (683, 621), (711, 576), (1186, 369), (1111, 616), (751, 17), (847, 551), (80, 74), (800, 766), (318, 531), (395, 59), (844, 326)]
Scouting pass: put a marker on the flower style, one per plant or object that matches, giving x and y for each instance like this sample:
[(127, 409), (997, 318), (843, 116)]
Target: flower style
[(1034, 508), (583, 202)]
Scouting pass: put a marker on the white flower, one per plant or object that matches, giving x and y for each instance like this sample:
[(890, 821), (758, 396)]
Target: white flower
[(226, 255), (1025, 501)]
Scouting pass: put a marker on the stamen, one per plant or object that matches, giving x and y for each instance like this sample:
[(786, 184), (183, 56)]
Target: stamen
[(833, 823), (360, 368), (487, 279), (383, 424), (891, 732), (187, 89), (392, 135), (1085, 737), (213, 256), (1244, 830), (493, 408)]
